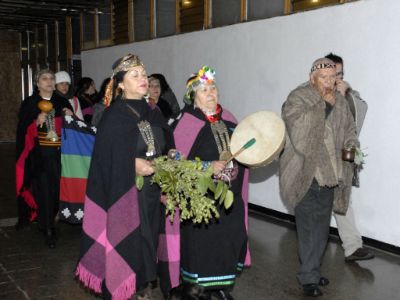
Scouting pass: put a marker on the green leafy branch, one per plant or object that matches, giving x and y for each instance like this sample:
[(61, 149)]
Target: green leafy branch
[(188, 187)]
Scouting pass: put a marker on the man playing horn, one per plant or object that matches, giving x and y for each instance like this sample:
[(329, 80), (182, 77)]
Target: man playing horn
[(313, 176)]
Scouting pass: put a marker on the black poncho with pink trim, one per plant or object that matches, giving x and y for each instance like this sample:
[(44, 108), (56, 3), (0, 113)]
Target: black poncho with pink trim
[(121, 224)]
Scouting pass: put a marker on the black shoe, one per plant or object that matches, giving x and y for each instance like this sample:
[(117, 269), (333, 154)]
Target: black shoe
[(311, 290), (360, 254), (323, 281)]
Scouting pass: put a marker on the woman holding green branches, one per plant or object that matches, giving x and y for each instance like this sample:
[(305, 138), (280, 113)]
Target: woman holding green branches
[(211, 254), (118, 257)]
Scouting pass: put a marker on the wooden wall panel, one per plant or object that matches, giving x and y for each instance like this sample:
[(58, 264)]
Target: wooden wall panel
[(10, 84)]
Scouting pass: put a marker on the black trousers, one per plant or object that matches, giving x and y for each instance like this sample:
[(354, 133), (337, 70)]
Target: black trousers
[(46, 184), (313, 215)]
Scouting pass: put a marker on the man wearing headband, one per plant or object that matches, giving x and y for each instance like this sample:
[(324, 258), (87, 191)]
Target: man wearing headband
[(212, 254), (122, 222), (351, 238), (38, 168), (313, 176)]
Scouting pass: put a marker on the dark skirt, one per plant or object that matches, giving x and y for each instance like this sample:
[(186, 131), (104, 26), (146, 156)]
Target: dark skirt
[(46, 184), (213, 254), (151, 214)]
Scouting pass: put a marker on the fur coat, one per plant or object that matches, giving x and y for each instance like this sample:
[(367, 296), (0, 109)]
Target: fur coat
[(305, 149)]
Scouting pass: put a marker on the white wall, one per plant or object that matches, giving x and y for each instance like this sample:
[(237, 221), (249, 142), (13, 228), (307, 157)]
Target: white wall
[(259, 63)]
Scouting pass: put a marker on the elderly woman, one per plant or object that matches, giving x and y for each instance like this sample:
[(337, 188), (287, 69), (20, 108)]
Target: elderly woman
[(121, 223), (212, 254), (38, 168)]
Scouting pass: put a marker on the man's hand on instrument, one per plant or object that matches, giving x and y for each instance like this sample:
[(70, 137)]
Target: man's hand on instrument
[(342, 87), (330, 97)]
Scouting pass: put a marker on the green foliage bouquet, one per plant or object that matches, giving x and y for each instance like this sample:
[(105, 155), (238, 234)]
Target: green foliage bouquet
[(188, 186)]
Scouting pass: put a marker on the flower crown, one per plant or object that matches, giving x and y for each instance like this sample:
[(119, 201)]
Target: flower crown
[(205, 75)]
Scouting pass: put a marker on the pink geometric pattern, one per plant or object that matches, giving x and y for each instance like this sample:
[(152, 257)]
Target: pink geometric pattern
[(245, 197), (123, 217), (186, 133), (119, 276), (228, 116), (94, 221)]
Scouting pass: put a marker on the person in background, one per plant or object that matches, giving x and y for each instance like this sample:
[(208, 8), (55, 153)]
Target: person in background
[(348, 232), (313, 178), (38, 168), (99, 107), (87, 95), (121, 223), (155, 98), (167, 94), (64, 89)]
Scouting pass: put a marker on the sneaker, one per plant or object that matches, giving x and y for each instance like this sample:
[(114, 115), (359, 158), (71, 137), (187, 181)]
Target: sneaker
[(360, 254)]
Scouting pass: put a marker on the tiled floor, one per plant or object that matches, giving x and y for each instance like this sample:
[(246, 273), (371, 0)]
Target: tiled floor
[(29, 270)]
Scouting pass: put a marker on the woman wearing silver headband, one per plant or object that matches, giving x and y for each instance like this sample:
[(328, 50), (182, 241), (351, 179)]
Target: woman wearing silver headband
[(211, 255), (121, 224), (38, 168)]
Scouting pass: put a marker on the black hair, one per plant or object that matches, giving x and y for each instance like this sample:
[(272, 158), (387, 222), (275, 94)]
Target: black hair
[(163, 82), (103, 87), (83, 84), (335, 58)]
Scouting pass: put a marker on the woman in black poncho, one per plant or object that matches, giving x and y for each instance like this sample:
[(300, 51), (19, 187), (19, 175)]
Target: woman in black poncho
[(121, 224), (211, 254)]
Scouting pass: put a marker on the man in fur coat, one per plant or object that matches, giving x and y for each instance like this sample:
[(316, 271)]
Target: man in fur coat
[(313, 176)]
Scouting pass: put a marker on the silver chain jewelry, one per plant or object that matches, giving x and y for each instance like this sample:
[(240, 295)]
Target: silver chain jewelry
[(146, 132), (148, 137), (221, 136)]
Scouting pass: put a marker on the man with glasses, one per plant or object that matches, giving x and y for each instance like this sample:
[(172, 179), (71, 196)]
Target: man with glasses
[(348, 232)]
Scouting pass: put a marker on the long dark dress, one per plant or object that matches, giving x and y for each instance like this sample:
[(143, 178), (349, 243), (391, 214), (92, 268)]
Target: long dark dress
[(212, 254), (121, 224), (38, 167)]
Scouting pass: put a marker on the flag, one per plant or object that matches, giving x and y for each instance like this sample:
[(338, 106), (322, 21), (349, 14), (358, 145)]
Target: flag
[(77, 141)]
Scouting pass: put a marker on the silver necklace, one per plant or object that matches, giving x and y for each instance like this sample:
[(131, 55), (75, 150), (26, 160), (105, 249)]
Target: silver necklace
[(221, 136), (146, 132)]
